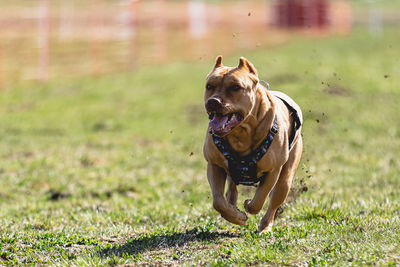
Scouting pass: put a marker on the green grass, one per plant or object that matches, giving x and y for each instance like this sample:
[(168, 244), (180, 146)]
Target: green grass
[(105, 171)]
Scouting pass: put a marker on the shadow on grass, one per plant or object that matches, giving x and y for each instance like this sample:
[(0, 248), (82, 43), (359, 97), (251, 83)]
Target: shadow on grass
[(163, 241)]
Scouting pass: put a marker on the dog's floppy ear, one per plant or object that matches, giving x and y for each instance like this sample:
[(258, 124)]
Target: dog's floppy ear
[(244, 63), (218, 62)]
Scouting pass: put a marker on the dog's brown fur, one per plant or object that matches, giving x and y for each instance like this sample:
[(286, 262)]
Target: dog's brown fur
[(258, 107)]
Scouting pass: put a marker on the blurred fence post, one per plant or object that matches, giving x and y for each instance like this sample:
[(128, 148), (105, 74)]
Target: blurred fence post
[(241, 24), (94, 41), (1, 67), (161, 31), (133, 27), (128, 25), (340, 15), (375, 20), (44, 41), (66, 19), (197, 11), (2, 81), (197, 19)]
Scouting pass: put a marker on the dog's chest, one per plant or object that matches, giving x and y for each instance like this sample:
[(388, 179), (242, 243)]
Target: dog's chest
[(246, 171)]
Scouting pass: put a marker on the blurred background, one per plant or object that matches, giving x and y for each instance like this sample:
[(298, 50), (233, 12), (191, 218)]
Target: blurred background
[(46, 39)]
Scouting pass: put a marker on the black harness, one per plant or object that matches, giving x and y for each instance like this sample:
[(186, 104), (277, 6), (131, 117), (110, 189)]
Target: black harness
[(296, 119), (243, 170)]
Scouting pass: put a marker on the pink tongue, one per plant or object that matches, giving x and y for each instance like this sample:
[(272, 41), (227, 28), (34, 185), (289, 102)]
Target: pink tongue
[(217, 122)]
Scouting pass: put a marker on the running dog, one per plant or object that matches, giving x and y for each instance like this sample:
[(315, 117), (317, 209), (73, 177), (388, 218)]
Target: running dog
[(253, 138)]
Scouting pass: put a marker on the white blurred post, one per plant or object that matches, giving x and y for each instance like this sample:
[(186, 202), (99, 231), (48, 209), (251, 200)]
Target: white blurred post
[(44, 42), (126, 21), (375, 19), (133, 29), (128, 24), (197, 18), (198, 27), (95, 37), (66, 19)]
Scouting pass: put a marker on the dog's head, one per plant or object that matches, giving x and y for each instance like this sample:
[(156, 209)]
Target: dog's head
[(230, 95)]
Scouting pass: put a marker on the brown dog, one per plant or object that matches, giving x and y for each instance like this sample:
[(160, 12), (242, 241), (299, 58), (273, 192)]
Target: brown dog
[(253, 137)]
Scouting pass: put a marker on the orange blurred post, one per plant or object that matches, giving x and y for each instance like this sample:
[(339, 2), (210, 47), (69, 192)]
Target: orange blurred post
[(340, 17), (44, 41)]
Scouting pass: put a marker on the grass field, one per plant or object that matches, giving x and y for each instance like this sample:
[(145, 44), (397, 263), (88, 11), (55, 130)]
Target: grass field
[(105, 171)]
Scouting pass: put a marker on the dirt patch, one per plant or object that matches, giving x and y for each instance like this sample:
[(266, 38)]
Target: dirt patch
[(55, 195), (18, 155), (86, 162), (5, 196), (106, 125), (128, 191), (121, 190), (35, 131), (143, 141), (337, 90), (21, 107)]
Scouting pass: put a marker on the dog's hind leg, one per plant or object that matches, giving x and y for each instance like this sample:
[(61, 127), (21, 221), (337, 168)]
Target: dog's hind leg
[(217, 178), (232, 193), (282, 187)]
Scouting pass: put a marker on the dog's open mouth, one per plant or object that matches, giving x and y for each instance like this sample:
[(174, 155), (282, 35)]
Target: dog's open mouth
[(222, 124)]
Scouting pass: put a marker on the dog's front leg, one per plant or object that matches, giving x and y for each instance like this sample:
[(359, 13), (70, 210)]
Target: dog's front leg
[(255, 205), (231, 192), (217, 178)]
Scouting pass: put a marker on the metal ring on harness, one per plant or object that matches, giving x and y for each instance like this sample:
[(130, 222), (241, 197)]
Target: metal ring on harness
[(265, 84)]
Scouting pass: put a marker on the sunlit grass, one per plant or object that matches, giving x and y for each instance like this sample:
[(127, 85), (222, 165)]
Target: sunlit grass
[(110, 170)]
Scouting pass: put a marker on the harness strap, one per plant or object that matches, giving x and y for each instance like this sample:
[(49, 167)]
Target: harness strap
[(243, 170), (297, 122)]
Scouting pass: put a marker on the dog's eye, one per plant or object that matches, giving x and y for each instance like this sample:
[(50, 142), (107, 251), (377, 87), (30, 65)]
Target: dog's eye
[(209, 87), (234, 88)]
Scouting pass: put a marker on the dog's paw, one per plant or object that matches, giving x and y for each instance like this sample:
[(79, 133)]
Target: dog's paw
[(239, 217), (264, 230), (243, 218), (249, 208)]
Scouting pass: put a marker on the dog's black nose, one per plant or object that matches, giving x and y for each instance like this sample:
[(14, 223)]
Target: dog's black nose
[(213, 104)]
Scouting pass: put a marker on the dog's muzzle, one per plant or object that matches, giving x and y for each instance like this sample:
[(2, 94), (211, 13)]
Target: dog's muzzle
[(214, 104)]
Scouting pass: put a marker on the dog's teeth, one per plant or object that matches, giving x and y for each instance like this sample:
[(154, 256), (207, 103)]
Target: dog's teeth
[(233, 116)]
